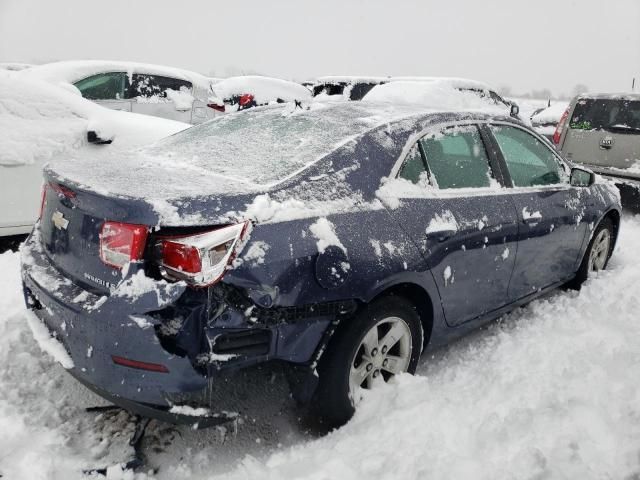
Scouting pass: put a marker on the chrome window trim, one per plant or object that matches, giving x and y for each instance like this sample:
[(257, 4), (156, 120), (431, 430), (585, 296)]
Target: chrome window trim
[(477, 191), (425, 131)]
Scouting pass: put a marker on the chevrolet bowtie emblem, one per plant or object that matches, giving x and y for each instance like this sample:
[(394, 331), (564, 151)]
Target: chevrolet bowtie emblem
[(59, 221)]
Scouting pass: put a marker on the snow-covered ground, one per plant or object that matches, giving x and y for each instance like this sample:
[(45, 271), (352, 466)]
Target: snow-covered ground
[(550, 391)]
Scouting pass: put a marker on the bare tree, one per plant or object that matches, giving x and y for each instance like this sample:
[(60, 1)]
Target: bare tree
[(505, 91), (578, 89)]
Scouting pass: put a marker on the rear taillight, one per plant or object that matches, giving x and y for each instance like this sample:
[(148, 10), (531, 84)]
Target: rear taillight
[(216, 107), (121, 243), (43, 201), (559, 127), (203, 258), (245, 99)]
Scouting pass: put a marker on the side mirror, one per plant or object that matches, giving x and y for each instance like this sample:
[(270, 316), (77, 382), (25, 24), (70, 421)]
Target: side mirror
[(515, 110), (581, 177), (93, 137)]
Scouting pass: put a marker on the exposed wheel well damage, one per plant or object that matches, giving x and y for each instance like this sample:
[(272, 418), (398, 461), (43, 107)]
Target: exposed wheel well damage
[(419, 298)]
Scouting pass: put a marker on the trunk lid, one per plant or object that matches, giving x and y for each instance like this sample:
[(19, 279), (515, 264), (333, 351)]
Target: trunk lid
[(70, 237), (73, 217), (70, 226)]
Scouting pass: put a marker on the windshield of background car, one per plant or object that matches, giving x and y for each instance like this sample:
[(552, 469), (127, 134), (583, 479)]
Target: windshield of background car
[(616, 115), (265, 145)]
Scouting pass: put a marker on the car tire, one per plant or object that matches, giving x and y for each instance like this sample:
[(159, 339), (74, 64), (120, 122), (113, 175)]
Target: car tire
[(597, 255), (351, 356)]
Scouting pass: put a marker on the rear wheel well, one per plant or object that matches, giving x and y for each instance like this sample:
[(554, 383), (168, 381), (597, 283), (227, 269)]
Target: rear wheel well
[(614, 216), (419, 298)]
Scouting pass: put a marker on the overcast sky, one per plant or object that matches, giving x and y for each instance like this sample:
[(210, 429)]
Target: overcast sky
[(523, 44)]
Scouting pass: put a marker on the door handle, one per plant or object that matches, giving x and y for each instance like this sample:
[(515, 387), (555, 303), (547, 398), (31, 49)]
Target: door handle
[(441, 235), (531, 220), (606, 147)]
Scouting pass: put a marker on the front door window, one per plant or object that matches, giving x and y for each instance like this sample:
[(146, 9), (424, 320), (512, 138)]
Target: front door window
[(530, 162)]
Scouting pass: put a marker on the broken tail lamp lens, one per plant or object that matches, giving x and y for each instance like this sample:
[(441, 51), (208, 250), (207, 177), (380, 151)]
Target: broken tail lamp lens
[(121, 243), (201, 259)]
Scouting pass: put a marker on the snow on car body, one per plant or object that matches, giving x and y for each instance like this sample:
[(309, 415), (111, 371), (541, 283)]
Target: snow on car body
[(14, 66), (239, 93), (156, 90), (437, 92), (348, 237), (545, 120), (360, 87), (344, 87), (40, 121)]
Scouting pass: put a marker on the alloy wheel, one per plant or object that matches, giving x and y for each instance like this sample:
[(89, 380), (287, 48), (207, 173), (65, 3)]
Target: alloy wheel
[(385, 351), (600, 251)]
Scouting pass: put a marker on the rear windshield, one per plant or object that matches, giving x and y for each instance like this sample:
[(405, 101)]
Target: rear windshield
[(264, 146), (606, 114)]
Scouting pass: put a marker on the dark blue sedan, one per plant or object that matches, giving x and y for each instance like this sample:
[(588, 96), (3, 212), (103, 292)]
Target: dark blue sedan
[(337, 243)]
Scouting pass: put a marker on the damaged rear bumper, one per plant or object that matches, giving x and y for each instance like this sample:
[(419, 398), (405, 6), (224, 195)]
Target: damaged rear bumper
[(97, 331)]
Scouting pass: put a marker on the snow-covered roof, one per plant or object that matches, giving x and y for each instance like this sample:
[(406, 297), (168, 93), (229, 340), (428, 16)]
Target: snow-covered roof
[(264, 89), (550, 115), (236, 153), (611, 96), (14, 66), (72, 71), (39, 120), (349, 79), (432, 95), (455, 82)]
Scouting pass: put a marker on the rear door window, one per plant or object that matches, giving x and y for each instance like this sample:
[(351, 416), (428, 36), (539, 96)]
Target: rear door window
[(456, 158), (414, 167), (156, 85), (104, 86), (529, 161), (615, 115)]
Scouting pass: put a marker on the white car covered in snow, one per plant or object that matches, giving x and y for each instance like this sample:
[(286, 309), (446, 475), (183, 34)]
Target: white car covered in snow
[(239, 93), (156, 90), (545, 121), (439, 94), (39, 120), (360, 87)]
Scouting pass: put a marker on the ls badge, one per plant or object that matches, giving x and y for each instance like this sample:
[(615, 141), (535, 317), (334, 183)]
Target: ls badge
[(59, 221)]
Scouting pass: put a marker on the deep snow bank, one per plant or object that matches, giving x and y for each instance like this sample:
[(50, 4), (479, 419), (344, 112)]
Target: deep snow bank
[(549, 392)]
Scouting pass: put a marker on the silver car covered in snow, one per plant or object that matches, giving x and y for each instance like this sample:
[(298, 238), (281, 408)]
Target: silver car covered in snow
[(156, 90), (602, 131)]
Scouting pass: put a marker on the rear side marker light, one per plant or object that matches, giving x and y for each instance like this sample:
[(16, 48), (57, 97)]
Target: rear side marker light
[(127, 362), (43, 201), (560, 127), (201, 259), (121, 243)]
